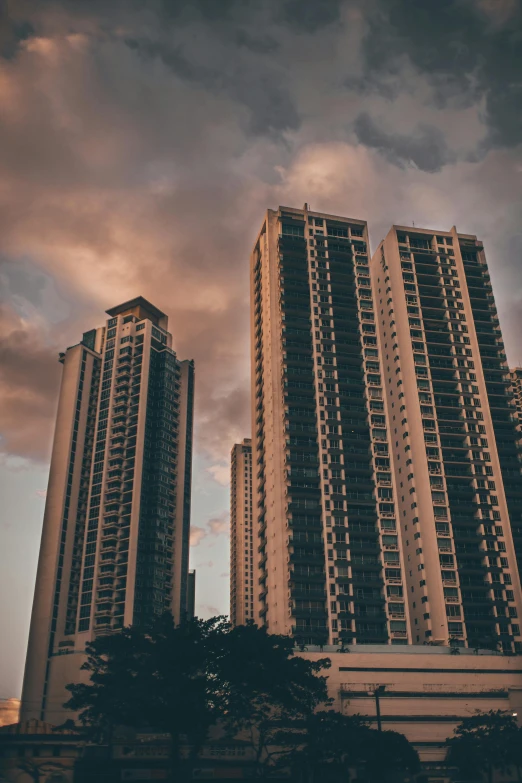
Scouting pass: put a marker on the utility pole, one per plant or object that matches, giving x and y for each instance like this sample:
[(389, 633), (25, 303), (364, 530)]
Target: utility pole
[(377, 693)]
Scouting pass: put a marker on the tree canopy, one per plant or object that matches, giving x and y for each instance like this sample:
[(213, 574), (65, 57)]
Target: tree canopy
[(484, 743), (245, 683), (165, 678), (184, 679)]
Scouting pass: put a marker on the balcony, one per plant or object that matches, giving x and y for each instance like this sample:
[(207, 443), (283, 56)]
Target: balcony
[(449, 582)]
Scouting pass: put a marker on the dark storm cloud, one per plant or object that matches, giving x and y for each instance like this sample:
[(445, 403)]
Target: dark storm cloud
[(12, 32), (468, 50), (270, 105), (140, 144), (426, 148), (309, 15)]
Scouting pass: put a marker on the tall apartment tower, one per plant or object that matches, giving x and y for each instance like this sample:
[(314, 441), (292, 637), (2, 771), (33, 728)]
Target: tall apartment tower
[(241, 537), (329, 566), (455, 439), (114, 548)]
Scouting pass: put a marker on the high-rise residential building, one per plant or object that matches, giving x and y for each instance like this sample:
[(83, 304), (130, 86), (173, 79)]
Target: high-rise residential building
[(114, 548), (455, 439), (241, 534), (328, 562)]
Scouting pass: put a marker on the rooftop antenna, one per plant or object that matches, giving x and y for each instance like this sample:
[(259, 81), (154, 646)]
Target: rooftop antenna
[(413, 223)]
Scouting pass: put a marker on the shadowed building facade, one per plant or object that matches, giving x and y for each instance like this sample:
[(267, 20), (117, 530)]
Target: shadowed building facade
[(241, 534), (455, 445), (328, 564), (115, 539)]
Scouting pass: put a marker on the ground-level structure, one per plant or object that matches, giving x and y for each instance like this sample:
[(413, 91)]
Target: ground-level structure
[(423, 692)]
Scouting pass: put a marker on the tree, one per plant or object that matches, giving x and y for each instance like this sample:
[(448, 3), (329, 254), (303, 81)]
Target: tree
[(269, 691), (163, 678), (484, 743), (328, 745), (515, 754), (388, 756), (185, 679)]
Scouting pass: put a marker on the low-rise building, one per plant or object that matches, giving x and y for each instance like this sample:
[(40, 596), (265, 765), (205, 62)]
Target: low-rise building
[(37, 751), (421, 691)]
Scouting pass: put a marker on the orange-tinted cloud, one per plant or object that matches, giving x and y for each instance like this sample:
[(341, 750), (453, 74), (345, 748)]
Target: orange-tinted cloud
[(140, 146), (9, 711)]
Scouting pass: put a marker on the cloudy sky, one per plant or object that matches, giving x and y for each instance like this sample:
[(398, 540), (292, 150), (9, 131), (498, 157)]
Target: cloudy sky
[(141, 142)]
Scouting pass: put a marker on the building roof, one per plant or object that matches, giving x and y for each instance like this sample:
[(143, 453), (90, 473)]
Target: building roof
[(34, 726), (138, 302)]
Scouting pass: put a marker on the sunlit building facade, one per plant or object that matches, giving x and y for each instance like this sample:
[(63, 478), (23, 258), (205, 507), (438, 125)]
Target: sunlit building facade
[(454, 431), (115, 539), (241, 535), (328, 564)]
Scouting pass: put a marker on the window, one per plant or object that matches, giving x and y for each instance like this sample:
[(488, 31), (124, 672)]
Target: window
[(293, 231), (455, 628), (452, 610)]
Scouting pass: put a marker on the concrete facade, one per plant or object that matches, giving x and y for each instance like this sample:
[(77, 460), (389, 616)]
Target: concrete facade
[(424, 693), (35, 751), (329, 564), (455, 437), (428, 690), (241, 534), (114, 547)]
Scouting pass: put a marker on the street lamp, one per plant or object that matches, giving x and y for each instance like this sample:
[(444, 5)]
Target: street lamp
[(377, 693)]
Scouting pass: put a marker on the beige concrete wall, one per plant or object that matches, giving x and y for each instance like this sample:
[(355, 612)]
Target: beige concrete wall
[(409, 455), (277, 618), (38, 645), (241, 539), (428, 690), (394, 334)]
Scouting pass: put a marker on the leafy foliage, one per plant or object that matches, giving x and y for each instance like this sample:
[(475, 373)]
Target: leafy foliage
[(388, 756), (330, 745), (185, 679), (267, 689), (165, 678), (485, 743)]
